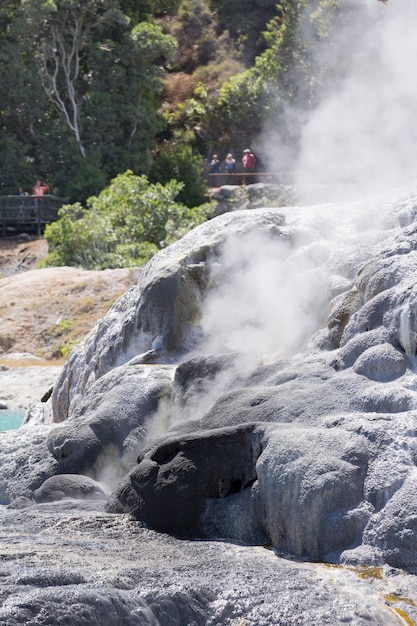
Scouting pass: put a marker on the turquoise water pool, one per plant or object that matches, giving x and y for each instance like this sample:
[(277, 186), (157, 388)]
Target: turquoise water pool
[(10, 420)]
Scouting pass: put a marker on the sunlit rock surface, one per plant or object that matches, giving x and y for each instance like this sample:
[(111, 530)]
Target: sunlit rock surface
[(66, 563), (164, 311), (257, 387), (320, 427)]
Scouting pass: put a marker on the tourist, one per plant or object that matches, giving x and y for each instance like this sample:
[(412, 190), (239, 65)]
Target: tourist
[(248, 160), (39, 189), (214, 165), (230, 164)]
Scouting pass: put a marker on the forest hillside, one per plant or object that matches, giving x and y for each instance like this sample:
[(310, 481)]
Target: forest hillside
[(94, 89), (119, 106)]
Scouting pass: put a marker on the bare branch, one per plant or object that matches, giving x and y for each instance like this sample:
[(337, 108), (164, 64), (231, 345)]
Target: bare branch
[(60, 67)]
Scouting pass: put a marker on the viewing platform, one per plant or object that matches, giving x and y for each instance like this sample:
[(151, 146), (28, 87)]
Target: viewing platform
[(28, 214)]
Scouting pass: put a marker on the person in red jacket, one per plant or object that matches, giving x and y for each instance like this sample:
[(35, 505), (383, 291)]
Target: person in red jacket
[(248, 160)]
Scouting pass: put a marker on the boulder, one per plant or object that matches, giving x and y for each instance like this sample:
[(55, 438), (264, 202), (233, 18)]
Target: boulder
[(25, 462), (69, 486), (172, 483), (253, 484), (316, 433)]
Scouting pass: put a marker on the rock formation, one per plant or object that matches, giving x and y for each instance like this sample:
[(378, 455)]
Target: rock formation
[(204, 426)]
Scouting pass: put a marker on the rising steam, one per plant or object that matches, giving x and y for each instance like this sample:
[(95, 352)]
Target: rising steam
[(271, 295), (363, 135)]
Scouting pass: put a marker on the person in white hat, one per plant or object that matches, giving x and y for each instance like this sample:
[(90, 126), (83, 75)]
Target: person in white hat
[(248, 160)]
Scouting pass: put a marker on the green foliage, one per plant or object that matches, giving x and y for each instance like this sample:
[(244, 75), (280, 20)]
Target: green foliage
[(179, 163), (239, 104), (64, 325), (81, 85), (245, 20), (139, 10), (137, 210), (63, 350), (15, 171), (83, 98), (286, 75), (195, 29), (122, 227), (249, 97), (175, 229), (80, 237)]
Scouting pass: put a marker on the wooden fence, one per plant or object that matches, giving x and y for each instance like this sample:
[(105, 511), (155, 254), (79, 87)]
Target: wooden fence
[(27, 214)]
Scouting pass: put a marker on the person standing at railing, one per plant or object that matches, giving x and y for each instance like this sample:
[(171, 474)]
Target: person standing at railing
[(230, 164), (214, 165), (21, 192), (249, 163), (248, 160), (39, 189)]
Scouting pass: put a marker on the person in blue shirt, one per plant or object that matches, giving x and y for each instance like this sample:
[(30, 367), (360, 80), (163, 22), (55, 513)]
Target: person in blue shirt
[(214, 164)]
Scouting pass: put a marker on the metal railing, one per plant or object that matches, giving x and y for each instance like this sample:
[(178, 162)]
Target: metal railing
[(22, 213)]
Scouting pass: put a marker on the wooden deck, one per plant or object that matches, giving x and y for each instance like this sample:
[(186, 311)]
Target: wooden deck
[(27, 214)]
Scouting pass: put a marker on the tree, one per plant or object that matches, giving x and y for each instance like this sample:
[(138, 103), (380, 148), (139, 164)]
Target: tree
[(102, 74), (299, 65), (151, 49), (59, 30)]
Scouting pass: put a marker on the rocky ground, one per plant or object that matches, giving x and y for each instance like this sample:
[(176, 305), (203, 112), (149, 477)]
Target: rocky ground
[(44, 312), (65, 560)]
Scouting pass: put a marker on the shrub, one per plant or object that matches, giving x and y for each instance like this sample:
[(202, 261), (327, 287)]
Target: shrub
[(178, 162), (122, 227)]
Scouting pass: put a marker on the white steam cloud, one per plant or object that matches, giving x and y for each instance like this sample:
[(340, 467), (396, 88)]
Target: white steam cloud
[(363, 135), (267, 299)]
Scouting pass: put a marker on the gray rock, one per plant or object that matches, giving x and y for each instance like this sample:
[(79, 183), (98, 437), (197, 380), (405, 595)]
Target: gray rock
[(394, 529), (98, 439), (21, 502), (253, 485), (25, 462), (163, 312), (183, 473), (247, 197), (382, 363), (69, 486), (322, 490), (69, 556)]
